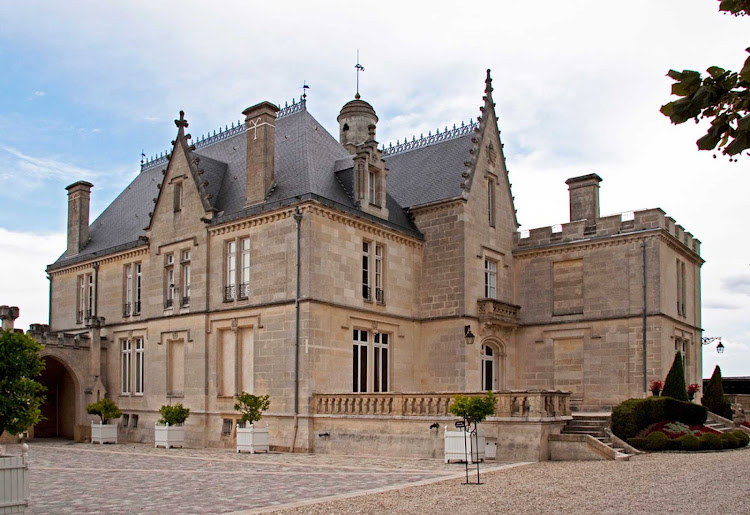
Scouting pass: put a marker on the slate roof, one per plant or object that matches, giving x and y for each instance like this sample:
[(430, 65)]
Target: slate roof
[(309, 163)]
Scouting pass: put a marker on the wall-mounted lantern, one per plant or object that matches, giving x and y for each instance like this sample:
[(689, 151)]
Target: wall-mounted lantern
[(468, 335)]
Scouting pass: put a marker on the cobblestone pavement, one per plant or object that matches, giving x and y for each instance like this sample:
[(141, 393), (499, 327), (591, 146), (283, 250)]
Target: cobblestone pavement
[(133, 478)]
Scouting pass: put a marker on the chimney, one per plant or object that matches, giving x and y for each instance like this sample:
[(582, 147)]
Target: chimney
[(584, 197), (260, 121), (8, 315), (79, 194)]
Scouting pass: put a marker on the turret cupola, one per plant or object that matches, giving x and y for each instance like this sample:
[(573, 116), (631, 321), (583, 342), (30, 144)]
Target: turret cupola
[(355, 120)]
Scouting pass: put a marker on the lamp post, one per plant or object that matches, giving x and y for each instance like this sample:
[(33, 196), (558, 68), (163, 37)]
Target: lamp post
[(710, 339)]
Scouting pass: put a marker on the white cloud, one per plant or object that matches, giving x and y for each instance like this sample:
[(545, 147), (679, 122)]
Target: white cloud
[(25, 256), (39, 93), (29, 171)]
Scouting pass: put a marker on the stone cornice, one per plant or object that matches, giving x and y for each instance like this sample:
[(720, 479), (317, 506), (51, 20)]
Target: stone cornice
[(88, 264), (437, 206)]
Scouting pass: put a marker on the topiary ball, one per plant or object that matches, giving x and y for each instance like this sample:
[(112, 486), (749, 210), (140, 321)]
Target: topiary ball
[(742, 437), (710, 442), (689, 443), (657, 441), (729, 441)]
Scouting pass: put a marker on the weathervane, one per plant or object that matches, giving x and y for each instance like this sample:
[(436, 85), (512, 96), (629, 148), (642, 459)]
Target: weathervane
[(305, 87), (359, 68)]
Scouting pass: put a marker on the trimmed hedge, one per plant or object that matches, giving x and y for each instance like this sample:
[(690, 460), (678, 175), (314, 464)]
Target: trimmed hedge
[(658, 441), (633, 415), (713, 396), (674, 386)]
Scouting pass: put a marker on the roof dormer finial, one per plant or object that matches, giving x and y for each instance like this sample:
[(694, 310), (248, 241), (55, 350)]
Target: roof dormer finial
[(181, 123), (359, 68)]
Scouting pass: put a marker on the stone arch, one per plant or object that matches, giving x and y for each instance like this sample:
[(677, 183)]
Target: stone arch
[(63, 405), (493, 356)]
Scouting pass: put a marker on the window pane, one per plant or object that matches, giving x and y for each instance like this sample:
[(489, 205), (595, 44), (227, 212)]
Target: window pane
[(363, 369), (355, 366), (376, 370), (384, 366)]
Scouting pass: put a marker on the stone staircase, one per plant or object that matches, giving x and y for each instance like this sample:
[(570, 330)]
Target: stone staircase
[(596, 425)]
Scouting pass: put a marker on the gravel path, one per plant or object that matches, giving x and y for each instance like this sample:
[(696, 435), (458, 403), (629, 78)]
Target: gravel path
[(680, 483)]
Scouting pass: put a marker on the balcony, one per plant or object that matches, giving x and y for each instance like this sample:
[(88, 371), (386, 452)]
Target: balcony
[(244, 290), (230, 292), (168, 303), (379, 296), (496, 312), (126, 309)]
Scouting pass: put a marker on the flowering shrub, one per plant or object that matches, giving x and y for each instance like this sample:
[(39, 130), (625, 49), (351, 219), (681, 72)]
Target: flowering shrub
[(693, 388), (674, 430), (746, 423)]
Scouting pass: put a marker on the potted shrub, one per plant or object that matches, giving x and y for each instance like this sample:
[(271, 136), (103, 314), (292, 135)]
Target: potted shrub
[(251, 437), (20, 407), (104, 432), (656, 386), (169, 430), (692, 389)]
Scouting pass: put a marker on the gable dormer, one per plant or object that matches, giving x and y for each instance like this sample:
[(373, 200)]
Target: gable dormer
[(357, 124)]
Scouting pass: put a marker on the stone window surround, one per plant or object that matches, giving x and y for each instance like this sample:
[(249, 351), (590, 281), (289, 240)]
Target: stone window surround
[(236, 284), (252, 321), (131, 290), (132, 335), (373, 263), (368, 345)]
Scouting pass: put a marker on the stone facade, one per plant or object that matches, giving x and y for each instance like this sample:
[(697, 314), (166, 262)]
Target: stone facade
[(354, 303)]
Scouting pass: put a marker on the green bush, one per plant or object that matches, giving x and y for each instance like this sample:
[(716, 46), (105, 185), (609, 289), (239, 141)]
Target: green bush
[(105, 408), (251, 407), (173, 415), (742, 437), (710, 442), (729, 441), (688, 443), (656, 441), (674, 386), (713, 396), (21, 395), (633, 415), (638, 443)]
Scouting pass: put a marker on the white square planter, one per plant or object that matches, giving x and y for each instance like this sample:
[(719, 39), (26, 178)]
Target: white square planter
[(455, 450), (169, 436), (14, 484), (103, 433), (252, 438)]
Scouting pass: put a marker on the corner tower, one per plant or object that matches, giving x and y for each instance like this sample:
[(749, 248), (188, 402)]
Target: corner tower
[(355, 120)]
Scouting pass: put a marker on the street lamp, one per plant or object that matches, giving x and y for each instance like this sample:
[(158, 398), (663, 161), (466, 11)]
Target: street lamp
[(468, 335), (710, 339)]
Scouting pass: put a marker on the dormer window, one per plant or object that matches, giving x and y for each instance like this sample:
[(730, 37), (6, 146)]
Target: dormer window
[(372, 188)]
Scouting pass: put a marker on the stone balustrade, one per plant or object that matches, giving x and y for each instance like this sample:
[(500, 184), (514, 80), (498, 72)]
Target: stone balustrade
[(496, 311), (510, 404), (42, 334)]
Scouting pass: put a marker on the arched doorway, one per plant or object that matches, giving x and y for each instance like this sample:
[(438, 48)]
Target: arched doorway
[(59, 408), (493, 365)]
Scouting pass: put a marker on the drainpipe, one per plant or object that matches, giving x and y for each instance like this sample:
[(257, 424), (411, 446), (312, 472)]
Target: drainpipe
[(645, 345), (49, 302), (297, 221)]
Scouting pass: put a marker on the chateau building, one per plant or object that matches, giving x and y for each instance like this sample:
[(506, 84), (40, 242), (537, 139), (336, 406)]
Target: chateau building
[(361, 288)]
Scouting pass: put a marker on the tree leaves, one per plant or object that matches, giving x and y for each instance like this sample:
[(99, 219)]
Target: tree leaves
[(20, 395)]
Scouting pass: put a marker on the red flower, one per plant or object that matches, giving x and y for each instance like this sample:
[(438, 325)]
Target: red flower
[(692, 388)]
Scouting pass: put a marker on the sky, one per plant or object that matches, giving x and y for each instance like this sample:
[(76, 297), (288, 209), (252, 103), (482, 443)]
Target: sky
[(86, 86)]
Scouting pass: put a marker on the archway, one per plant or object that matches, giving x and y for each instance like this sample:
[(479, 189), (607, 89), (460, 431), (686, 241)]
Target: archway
[(59, 408)]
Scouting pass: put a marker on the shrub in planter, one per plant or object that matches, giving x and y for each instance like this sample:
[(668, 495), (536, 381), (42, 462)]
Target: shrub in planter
[(729, 441), (713, 396), (674, 386), (106, 409), (688, 443), (249, 437), (173, 415), (710, 442), (251, 407)]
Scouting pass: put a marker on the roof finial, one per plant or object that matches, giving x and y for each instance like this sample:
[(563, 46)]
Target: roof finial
[(359, 68), (181, 124), (305, 87), (488, 84)]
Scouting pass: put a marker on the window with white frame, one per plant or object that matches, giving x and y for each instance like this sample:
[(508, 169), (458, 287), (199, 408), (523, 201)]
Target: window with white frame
[(85, 301), (185, 265), (230, 283), (489, 368), (379, 291), (366, 267), (245, 268), (125, 354), (681, 289), (139, 366), (490, 279), (370, 361), (170, 286), (372, 196), (373, 271), (132, 301)]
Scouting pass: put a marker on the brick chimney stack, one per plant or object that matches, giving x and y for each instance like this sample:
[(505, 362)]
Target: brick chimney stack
[(584, 197), (79, 195), (260, 121)]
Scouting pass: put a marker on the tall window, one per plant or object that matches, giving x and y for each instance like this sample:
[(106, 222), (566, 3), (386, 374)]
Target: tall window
[(490, 279), (169, 281), (125, 352), (245, 272), (489, 374), (177, 196), (230, 285), (185, 264), (681, 289), (85, 294), (372, 188), (379, 292), (364, 367), (139, 366), (380, 362), (132, 300), (366, 294), (491, 202)]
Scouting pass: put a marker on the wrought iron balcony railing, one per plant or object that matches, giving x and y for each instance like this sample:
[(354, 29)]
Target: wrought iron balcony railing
[(185, 301), (379, 296), (230, 292), (126, 309), (168, 303), (244, 290), (137, 307), (366, 292)]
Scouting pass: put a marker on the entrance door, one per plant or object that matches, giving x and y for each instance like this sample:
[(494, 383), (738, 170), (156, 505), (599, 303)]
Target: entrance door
[(59, 408)]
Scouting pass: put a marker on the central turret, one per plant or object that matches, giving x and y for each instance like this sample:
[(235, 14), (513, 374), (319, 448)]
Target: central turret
[(355, 120)]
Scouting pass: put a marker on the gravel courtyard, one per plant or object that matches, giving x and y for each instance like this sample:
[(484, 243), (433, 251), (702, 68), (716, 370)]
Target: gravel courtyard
[(130, 478)]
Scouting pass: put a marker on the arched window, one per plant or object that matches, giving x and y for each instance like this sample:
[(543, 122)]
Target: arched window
[(489, 368)]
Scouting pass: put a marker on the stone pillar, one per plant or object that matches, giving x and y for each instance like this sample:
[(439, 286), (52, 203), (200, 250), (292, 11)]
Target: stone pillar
[(260, 121), (584, 197), (79, 195), (8, 315)]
